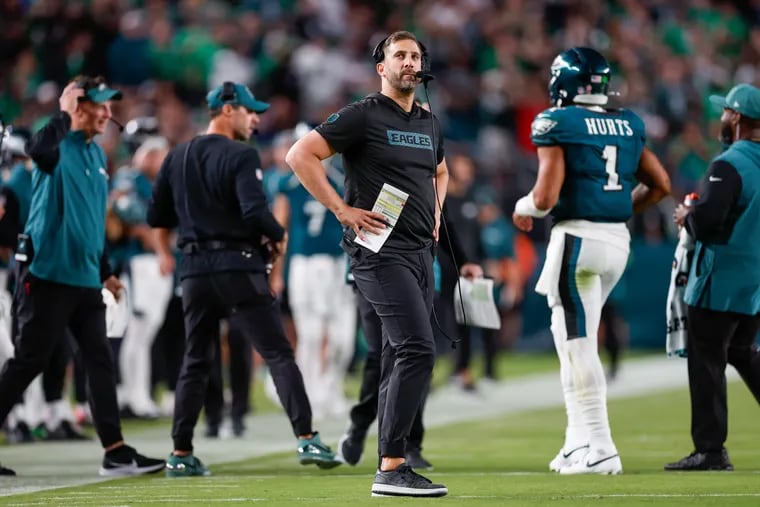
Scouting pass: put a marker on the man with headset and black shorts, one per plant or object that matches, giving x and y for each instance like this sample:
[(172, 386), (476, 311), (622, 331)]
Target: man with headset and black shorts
[(210, 189), (393, 156)]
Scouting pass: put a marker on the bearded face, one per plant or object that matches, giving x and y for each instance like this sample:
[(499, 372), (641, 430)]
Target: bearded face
[(404, 81), (401, 63), (728, 122)]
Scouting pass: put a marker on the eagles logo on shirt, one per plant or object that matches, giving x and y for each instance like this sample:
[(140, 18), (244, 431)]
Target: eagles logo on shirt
[(541, 126)]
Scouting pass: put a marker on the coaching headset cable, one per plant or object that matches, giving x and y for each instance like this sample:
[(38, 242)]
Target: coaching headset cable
[(426, 77)]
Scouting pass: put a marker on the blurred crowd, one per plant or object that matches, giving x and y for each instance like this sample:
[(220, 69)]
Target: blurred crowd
[(307, 57)]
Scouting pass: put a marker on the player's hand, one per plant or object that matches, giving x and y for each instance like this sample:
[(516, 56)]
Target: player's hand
[(471, 270), (679, 215), (437, 227), (361, 220), (114, 286), (523, 222), (166, 264), (278, 248), (277, 284), (68, 100)]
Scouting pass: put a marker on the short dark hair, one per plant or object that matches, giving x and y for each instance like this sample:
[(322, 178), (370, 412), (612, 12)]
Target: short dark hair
[(395, 37), (213, 113)]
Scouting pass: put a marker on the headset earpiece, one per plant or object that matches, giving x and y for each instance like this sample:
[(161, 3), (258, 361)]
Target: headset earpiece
[(85, 85), (228, 92), (378, 55), (424, 56)]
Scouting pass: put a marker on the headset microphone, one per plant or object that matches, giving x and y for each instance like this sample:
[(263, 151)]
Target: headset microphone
[(117, 123), (424, 76)]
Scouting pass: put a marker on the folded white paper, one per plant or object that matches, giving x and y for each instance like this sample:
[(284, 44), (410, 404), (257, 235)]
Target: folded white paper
[(479, 305), (390, 203)]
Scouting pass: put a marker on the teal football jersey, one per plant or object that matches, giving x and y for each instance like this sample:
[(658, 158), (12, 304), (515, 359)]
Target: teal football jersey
[(602, 151), (313, 228)]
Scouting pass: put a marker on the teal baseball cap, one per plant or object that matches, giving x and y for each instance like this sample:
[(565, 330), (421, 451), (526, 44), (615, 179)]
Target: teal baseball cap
[(99, 93), (235, 94), (742, 98)]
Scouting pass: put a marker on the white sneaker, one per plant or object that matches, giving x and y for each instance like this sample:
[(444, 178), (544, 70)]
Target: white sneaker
[(566, 458), (595, 462)]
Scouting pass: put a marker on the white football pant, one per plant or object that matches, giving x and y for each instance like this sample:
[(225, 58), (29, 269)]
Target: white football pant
[(590, 269), (150, 294), (323, 306)]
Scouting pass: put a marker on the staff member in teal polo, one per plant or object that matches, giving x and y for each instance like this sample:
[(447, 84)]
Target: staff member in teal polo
[(62, 269), (723, 290)]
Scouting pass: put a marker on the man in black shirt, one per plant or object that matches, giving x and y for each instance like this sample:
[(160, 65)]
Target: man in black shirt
[(391, 147), (210, 190)]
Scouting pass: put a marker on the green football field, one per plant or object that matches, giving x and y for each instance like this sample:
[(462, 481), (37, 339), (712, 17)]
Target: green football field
[(500, 461)]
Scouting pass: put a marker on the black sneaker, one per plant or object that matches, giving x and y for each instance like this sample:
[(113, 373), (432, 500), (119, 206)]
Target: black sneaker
[(7, 472), (351, 446), (238, 427), (20, 434), (127, 461), (702, 461), (404, 481), (212, 431), (67, 431), (415, 460)]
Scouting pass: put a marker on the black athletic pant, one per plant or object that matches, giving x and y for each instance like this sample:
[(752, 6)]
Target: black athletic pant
[(399, 286), (717, 338), (54, 373), (245, 299), (241, 366), (363, 414), (44, 310), (169, 346), (463, 351)]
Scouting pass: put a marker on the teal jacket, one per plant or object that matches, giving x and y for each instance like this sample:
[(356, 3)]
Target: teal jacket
[(20, 182), (725, 272), (67, 215)]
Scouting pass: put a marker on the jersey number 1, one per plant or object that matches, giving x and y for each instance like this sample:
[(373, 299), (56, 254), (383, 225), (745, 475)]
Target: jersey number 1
[(613, 178)]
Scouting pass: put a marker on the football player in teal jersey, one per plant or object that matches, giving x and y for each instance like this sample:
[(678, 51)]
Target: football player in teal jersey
[(150, 291), (321, 302), (594, 172)]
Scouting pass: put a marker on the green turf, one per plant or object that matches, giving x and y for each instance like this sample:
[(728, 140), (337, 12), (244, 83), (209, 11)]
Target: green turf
[(507, 365), (495, 462)]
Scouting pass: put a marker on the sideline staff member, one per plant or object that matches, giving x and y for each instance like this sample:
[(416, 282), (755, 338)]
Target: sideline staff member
[(385, 139), (61, 278), (723, 291), (210, 189)]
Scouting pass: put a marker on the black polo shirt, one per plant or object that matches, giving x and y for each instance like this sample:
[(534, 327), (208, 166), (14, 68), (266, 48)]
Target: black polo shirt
[(217, 195), (382, 143)]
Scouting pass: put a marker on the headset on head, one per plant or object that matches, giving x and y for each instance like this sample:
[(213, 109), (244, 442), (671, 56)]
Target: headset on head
[(229, 94), (378, 54), (87, 83)]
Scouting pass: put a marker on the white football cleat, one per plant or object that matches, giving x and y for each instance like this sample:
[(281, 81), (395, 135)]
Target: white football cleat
[(596, 462), (566, 458)]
